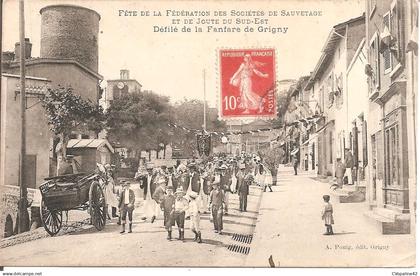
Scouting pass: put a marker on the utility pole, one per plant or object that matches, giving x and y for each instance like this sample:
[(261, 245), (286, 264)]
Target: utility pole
[(23, 192), (205, 101)]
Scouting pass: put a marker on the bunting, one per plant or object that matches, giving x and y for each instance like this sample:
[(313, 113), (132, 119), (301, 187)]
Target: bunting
[(306, 123)]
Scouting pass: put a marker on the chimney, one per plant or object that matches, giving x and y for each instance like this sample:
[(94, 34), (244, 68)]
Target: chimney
[(28, 49), (7, 56), (124, 74)]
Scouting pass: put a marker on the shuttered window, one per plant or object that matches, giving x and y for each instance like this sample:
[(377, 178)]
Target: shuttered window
[(374, 80), (387, 51), (364, 138), (397, 32), (379, 155)]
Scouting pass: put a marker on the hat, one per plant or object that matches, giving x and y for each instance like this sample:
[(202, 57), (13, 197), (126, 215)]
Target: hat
[(161, 180), (241, 166), (191, 164), (149, 166), (216, 183), (182, 167), (125, 183), (180, 190), (193, 194), (223, 167)]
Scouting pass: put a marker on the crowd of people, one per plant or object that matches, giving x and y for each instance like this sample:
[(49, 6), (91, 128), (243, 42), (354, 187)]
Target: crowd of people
[(187, 190)]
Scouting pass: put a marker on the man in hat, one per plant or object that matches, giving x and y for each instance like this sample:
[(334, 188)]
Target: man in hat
[(159, 193), (225, 180), (168, 207), (183, 178), (242, 188), (180, 207), (349, 163), (295, 162), (194, 213), (194, 178), (217, 196), (340, 169), (126, 206), (148, 184)]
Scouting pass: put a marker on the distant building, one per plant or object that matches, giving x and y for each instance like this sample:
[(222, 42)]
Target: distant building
[(118, 87), (252, 141)]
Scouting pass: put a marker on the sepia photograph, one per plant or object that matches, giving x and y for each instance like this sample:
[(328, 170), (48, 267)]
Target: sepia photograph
[(208, 134)]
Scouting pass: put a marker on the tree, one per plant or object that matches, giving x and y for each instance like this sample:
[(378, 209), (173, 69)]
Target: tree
[(139, 121), (272, 157), (67, 112), (189, 114)]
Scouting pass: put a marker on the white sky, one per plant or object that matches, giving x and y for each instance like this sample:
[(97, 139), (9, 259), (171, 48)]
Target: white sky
[(172, 63)]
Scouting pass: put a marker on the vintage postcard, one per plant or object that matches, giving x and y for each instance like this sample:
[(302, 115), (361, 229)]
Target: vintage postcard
[(214, 133)]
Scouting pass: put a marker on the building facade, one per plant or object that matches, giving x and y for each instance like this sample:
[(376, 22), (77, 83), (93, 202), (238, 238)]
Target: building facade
[(327, 87), (37, 144), (391, 37)]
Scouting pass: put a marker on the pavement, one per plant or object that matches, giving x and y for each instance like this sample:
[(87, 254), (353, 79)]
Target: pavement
[(146, 246), (290, 231), (285, 226)]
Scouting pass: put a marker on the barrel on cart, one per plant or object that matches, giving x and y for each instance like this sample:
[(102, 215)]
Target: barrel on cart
[(81, 191)]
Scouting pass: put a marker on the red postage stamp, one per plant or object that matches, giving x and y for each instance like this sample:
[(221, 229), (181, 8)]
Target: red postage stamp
[(247, 79)]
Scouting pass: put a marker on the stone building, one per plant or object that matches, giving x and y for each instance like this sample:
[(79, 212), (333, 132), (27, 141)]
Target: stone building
[(118, 87), (391, 42), (68, 58)]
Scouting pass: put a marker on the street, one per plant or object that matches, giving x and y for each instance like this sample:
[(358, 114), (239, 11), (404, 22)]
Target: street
[(146, 246), (288, 228)]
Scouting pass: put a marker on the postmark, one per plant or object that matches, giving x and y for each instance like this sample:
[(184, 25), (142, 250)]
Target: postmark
[(247, 80)]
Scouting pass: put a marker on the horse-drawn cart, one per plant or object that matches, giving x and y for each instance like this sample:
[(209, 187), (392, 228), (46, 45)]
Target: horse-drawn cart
[(80, 191)]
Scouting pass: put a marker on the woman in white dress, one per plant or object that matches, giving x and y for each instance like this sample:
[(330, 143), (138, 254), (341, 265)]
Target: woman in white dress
[(268, 178), (243, 79)]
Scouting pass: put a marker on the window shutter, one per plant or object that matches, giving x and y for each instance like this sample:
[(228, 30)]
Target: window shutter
[(387, 53), (380, 155), (364, 141), (377, 67), (400, 30), (355, 146)]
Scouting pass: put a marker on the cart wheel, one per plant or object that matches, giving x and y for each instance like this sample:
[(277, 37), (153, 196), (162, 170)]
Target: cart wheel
[(97, 205), (51, 219)]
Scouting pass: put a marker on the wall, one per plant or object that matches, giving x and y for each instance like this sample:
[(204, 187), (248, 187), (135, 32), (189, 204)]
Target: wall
[(37, 143), (37, 132), (65, 74), (357, 99)]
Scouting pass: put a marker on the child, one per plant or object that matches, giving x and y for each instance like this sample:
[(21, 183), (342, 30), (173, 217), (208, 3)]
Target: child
[(167, 205), (180, 206), (195, 216), (327, 215)]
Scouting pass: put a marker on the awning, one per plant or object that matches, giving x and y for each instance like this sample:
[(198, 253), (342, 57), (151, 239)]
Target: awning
[(324, 126), (89, 143)]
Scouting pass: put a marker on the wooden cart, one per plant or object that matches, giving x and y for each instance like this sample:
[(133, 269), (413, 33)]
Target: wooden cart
[(80, 191)]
